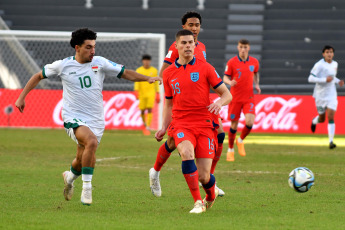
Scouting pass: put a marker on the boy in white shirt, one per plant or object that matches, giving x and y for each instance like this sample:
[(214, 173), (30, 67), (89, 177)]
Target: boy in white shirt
[(325, 93)]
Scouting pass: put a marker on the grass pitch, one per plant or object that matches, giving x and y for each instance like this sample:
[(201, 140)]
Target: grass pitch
[(257, 191)]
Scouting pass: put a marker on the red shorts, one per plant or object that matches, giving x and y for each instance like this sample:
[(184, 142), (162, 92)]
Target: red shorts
[(235, 109), (203, 139)]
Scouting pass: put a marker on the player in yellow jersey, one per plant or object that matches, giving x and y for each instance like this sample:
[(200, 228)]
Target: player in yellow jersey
[(147, 93)]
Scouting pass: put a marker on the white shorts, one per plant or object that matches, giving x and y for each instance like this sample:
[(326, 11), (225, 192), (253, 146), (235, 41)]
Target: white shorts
[(322, 105), (71, 124)]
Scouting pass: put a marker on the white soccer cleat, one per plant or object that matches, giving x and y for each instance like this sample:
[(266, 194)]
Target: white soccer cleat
[(69, 188), (199, 207), (209, 204), (220, 192), (86, 196), (155, 184)]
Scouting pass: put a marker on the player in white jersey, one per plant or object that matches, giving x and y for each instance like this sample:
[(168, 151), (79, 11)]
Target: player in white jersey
[(82, 79), (325, 93)]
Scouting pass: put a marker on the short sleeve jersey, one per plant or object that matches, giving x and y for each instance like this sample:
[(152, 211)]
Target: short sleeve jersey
[(144, 88), (243, 73), (82, 87), (189, 87), (323, 69), (199, 52)]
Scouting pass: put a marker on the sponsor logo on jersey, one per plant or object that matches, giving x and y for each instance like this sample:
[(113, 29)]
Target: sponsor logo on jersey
[(251, 68), (180, 135), (173, 80), (70, 73), (194, 76)]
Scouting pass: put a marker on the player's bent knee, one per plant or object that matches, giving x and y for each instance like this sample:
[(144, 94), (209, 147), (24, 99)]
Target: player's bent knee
[(204, 178), (92, 143)]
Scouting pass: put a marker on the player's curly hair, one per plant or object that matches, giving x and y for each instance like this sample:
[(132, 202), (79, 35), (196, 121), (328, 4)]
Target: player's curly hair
[(190, 14), (80, 35), (328, 47)]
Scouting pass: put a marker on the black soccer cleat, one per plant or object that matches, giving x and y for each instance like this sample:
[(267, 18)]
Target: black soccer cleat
[(313, 127), (332, 145)]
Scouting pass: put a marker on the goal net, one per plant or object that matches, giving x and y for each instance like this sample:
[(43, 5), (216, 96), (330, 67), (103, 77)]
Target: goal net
[(24, 53)]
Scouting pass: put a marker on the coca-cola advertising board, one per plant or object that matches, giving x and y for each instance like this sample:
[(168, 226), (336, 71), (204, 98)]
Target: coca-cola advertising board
[(274, 113)]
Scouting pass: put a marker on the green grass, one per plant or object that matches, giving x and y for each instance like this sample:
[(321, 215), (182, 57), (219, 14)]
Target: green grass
[(257, 191)]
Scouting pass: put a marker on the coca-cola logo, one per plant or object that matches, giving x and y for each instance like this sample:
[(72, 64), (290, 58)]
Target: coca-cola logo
[(120, 110), (271, 113)]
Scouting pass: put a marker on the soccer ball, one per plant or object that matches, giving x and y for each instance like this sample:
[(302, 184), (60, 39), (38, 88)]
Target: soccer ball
[(301, 179)]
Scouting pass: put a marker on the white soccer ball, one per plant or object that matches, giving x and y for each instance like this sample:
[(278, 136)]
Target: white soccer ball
[(301, 179)]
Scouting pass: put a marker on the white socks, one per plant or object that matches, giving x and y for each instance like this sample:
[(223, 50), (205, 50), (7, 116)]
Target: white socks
[(331, 131), (239, 140), (71, 177), (87, 178), (231, 150)]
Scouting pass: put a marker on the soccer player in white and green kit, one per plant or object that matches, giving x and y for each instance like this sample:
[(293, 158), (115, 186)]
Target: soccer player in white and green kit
[(82, 78), (325, 93)]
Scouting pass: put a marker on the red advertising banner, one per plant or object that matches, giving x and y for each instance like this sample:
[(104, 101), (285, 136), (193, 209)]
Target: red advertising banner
[(43, 109), (274, 113)]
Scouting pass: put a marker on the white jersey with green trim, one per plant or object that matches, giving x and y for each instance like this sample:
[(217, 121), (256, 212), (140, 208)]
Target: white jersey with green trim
[(82, 87), (321, 70)]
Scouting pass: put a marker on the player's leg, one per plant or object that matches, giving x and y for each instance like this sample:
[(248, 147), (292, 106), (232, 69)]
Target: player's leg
[(89, 141), (320, 118), (185, 145), (249, 115), (204, 154), (220, 139), (73, 174), (331, 127), (164, 152), (149, 106), (234, 116)]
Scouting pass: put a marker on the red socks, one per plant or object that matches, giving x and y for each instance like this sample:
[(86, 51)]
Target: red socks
[(191, 175), (209, 188), (232, 136), (162, 156), (246, 130)]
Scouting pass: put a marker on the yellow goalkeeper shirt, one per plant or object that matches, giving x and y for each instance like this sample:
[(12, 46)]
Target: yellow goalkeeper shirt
[(144, 88)]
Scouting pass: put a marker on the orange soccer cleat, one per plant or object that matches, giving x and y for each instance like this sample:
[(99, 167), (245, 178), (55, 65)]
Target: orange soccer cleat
[(230, 156), (240, 147), (146, 132)]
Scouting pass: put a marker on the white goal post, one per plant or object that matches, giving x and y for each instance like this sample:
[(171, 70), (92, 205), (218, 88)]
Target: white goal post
[(24, 53)]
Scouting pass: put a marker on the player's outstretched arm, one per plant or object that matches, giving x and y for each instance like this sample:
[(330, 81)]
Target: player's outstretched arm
[(32, 83), (167, 117), (256, 82), (225, 98), (131, 75)]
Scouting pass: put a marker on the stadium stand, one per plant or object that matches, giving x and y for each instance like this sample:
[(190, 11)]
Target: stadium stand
[(286, 35)]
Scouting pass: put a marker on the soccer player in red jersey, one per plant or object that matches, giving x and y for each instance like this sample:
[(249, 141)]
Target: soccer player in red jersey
[(191, 21), (240, 73), (188, 114)]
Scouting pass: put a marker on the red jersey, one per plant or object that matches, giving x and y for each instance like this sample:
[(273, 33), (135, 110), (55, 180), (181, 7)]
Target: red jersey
[(243, 73), (199, 52), (189, 88)]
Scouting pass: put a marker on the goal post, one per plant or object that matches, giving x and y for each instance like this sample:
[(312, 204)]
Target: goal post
[(25, 52)]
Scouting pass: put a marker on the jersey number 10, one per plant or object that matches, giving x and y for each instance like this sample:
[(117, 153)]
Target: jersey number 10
[(86, 80)]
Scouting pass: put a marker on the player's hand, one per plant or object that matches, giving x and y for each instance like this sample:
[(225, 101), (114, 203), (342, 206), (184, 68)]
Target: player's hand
[(341, 83), (154, 79), (159, 135), (329, 79), (214, 108), (257, 87), (233, 83), (158, 98), (20, 104)]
